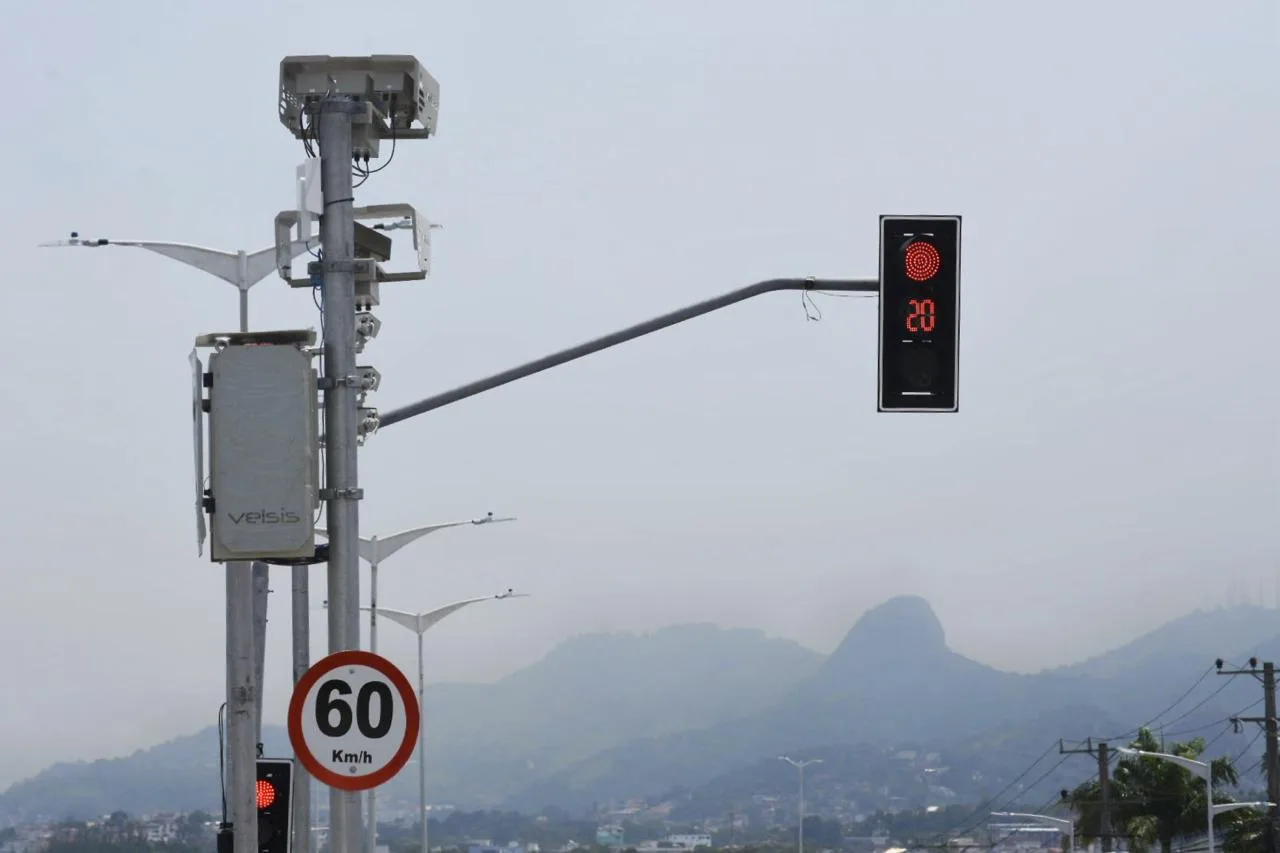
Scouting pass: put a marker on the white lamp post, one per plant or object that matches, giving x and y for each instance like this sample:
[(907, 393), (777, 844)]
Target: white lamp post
[(1199, 768), (373, 551), (1046, 819), (800, 766), (420, 623)]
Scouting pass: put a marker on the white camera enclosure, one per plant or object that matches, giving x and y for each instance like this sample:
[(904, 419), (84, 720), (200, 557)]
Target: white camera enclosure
[(385, 218), (405, 98), (263, 448)]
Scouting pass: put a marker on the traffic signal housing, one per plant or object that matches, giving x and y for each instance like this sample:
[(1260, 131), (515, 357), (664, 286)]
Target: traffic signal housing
[(919, 314), (275, 805)]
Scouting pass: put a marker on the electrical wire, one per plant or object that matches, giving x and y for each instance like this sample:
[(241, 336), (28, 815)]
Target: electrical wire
[(1211, 741), (1172, 705), (967, 824), (1226, 720), (1196, 707), (1247, 747), (980, 811), (1254, 767), (993, 843)]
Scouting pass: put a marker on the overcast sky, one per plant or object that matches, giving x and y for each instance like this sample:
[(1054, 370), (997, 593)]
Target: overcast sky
[(1114, 462)]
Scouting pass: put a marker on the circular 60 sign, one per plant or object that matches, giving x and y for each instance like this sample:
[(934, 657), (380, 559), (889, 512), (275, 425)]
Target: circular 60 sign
[(353, 720)]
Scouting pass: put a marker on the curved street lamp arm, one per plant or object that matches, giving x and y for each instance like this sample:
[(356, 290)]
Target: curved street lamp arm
[(217, 262), (374, 549)]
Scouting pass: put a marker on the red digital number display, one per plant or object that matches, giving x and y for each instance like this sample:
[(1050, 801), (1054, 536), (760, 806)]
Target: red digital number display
[(922, 316)]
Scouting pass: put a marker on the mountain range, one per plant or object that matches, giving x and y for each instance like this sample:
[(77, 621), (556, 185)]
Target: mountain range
[(692, 708)]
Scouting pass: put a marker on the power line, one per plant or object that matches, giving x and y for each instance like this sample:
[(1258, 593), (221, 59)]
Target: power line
[(1226, 720), (1175, 703), (986, 805)]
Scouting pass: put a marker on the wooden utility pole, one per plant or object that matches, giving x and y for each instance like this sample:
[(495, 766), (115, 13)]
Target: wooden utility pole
[(1268, 721), (1102, 752)]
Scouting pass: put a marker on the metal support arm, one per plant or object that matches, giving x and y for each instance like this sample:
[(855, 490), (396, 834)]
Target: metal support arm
[(630, 333)]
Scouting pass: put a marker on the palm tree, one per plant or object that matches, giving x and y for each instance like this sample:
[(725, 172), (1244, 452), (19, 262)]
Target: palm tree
[(1153, 802)]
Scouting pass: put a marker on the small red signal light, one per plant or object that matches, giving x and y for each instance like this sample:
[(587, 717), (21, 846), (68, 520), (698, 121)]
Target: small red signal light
[(922, 260), (266, 793)]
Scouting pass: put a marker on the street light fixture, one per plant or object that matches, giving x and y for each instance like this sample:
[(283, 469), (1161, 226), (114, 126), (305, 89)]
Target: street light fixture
[(420, 623), (1199, 768), (800, 766), (1046, 819), (373, 551), (1220, 808), (246, 583)]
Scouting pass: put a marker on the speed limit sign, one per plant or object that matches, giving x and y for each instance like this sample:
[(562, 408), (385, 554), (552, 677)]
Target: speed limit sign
[(353, 720)]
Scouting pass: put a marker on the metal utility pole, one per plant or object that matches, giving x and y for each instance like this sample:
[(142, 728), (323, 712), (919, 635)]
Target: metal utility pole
[(800, 766), (1103, 753), (374, 550), (345, 106), (1268, 721), (246, 583), (342, 491)]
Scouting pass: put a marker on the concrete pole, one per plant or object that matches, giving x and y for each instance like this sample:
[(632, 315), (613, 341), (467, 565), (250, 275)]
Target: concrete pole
[(301, 663), (1272, 755), (243, 688), (242, 753), (342, 493), (261, 588)]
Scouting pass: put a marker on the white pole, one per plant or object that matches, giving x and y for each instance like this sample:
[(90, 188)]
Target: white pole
[(1208, 793), (800, 839), (422, 748)]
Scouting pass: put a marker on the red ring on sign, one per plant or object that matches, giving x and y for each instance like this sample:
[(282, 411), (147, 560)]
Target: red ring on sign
[(413, 721)]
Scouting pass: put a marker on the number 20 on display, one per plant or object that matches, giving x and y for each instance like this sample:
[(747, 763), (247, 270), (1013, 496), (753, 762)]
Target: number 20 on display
[(921, 316)]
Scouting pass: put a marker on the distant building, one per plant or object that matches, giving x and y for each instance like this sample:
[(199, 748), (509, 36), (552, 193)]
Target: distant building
[(675, 843), (610, 835), (161, 830), (489, 848)]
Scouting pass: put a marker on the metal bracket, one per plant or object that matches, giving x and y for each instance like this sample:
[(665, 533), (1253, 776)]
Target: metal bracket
[(328, 383), (364, 269), (341, 494)]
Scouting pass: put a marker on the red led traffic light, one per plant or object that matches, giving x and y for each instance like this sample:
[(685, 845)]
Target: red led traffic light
[(922, 260), (275, 805), (919, 313)]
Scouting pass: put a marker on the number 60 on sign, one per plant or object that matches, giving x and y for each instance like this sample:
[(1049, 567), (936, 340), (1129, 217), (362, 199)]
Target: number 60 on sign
[(353, 720)]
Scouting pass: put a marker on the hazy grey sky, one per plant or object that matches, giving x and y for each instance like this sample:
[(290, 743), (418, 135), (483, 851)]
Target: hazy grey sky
[(1114, 462)]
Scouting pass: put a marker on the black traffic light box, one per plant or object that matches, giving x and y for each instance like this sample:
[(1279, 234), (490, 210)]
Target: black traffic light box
[(275, 805), (919, 314)]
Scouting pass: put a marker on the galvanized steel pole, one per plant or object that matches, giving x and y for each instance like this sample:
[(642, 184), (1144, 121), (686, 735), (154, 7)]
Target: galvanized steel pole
[(342, 488)]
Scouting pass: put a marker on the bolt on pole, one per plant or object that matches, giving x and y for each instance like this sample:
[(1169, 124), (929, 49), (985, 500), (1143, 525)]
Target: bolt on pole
[(342, 492)]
